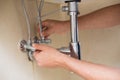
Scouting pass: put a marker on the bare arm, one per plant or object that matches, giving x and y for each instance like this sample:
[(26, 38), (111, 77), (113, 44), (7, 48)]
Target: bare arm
[(103, 18), (50, 57), (91, 71)]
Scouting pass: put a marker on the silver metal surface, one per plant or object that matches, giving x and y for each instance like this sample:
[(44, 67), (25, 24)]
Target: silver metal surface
[(41, 36), (25, 46), (40, 41), (65, 8), (39, 10), (75, 50), (74, 47), (73, 12), (64, 50), (27, 19)]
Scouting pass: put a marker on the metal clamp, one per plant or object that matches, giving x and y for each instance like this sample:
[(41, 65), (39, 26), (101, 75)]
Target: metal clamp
[(26, 46)]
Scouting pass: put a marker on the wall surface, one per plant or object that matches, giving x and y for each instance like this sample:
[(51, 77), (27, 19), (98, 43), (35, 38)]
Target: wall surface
[(14, 64), (97, 46)]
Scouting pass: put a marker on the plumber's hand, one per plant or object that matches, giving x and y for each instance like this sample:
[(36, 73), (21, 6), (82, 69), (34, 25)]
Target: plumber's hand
[(48, 56), (54, 26)]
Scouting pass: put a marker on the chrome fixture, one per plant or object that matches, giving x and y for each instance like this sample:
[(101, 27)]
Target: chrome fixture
[(74, 46), (26, 45)]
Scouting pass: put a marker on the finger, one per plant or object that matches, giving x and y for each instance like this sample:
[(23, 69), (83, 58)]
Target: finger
[(46, 35), (44, 28), (48, 32), (40, 47), (45, 23), (35, 55)]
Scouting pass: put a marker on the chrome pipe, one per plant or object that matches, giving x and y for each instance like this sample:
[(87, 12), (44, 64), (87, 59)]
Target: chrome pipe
[(73, 12), (74, 45)]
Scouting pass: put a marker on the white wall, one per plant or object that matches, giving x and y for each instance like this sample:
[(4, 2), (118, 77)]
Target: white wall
[(97, 46), (14, 64)]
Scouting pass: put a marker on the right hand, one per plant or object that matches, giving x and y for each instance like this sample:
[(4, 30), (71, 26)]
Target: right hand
[(54, 26), (47, 56)]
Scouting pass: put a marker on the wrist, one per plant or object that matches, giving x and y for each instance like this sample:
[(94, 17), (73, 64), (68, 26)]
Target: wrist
[(64, 61)]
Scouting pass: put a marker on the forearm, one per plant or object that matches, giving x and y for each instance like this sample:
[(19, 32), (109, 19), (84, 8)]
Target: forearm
[(49, 57), (91, 71), (103, 18)]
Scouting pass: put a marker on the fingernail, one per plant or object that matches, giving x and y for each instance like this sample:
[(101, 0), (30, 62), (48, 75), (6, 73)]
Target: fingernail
[(33, 45)]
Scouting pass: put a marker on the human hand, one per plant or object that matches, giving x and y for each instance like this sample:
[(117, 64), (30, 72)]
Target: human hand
[(48, 57), (54, 26)]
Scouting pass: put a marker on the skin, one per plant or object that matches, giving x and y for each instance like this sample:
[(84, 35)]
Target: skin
[(47, 56), (54, 26), (103, 18)]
